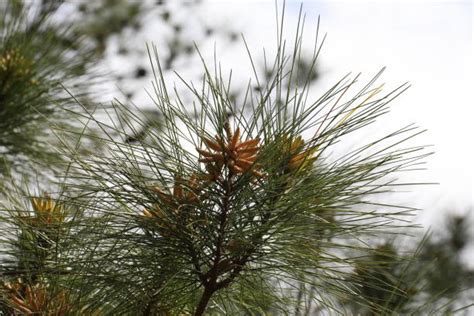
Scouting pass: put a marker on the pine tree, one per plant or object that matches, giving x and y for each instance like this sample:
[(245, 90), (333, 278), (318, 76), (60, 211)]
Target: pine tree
[(226, 209), (36, 60)]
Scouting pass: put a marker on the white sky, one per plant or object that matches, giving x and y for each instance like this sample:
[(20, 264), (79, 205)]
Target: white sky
[(430, 45)]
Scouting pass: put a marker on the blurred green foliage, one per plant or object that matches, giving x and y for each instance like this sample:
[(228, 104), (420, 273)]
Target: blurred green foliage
[(396, 281), (37, 58)]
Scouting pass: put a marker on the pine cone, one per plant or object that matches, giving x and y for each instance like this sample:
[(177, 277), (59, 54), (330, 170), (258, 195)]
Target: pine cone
[(239, 157)]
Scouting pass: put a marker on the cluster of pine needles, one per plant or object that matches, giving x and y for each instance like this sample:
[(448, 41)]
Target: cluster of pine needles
[(229, 208)]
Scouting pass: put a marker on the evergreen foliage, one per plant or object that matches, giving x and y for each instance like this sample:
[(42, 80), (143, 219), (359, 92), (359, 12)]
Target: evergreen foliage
[(37, 58), (225, 209)]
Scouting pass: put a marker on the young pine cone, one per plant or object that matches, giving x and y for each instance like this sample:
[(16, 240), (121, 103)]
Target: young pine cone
[(300, 157), (46, 212), (35, 299), (239, 157)]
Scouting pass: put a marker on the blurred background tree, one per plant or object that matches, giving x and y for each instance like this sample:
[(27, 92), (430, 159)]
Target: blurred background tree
[(37, 59), (435, 274)]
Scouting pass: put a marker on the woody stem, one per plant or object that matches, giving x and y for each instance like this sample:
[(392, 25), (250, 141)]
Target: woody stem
[(210, 284)]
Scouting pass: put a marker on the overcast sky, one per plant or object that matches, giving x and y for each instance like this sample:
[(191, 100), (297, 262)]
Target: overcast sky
[(428, 44)]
